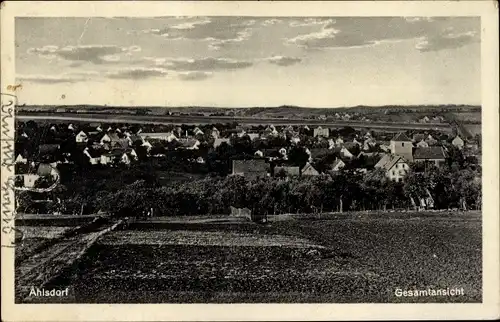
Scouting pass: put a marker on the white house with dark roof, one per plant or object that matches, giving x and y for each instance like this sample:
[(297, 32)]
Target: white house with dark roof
[(81, 137), (395, 166)]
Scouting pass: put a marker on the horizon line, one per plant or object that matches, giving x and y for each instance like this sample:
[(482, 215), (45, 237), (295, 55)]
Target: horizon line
[(241, 107)]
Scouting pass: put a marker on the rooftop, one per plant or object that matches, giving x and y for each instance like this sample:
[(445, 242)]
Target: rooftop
[(429, 153), (401, 137)]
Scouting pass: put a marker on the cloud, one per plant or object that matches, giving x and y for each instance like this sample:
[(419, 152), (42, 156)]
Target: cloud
[(137, 73), (57, 79), (191, 24), (95, 54), (193, 76), (283, 61), (217, 31), (347, 32), (308, 22), (270, 22), (203, 64), (447, 41)]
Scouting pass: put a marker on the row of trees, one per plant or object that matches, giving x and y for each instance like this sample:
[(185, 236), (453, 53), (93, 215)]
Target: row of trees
[(139, 191)]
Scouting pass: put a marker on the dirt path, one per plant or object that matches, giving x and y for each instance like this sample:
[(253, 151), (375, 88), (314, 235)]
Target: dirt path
[(40, 268)]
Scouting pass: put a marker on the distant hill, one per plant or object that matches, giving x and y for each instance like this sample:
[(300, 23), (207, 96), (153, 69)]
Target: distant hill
[(390, 113)]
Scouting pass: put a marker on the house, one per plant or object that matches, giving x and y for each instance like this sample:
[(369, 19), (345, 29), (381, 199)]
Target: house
[(270, 131), (294, 139), (29, 180), (164, 136), (345, 153), (219, 141), (422, 144), (133, 154), (458, 142), (434, 154), (395, 166), (21, 159), (282, 151), (338, 165), (147, 145), (114, 141), (125, 158), (252, 169), (215, 133), (425, 119), (401, 145), (319, 131), (241, 133), (81, 137), (308, 170), (286, 171), (189, 144), (111, 157), (197, 131), (47, 170), (109, 137), (93, 155), (431, 142)]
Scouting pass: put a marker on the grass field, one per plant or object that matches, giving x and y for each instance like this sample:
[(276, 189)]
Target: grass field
[(348, 258)]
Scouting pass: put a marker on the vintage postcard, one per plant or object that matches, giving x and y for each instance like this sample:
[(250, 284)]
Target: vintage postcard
[(249, 160)]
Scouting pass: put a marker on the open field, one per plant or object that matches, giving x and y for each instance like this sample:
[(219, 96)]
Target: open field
[(344, 258), (156, 119)]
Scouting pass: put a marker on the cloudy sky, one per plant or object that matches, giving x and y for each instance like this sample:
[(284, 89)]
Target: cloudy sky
[(249, 61)]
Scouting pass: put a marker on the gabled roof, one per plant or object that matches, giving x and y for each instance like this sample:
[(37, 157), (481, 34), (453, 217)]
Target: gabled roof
[(401, 137), (250, 166), (308, 169), (388, 161), (430, 153), (337, 162), (187, 143)]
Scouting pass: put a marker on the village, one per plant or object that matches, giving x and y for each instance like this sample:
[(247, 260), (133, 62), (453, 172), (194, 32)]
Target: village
[(254, 152)]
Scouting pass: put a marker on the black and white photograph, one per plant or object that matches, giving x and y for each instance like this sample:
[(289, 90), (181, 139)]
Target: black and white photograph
[(229, 159)]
